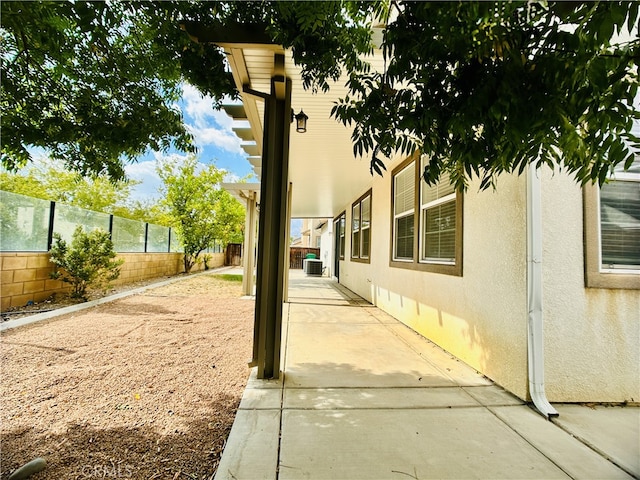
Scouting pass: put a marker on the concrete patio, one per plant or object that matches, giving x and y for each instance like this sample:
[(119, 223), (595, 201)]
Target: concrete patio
[(364, 397)]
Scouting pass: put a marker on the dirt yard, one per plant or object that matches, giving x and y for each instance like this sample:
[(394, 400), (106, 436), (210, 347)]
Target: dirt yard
[(145, 387)]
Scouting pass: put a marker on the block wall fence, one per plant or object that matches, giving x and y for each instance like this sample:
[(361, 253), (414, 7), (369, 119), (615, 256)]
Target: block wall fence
[(25, 276)]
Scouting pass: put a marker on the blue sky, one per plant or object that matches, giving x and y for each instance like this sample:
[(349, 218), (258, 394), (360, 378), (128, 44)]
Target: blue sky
[(215, 140)]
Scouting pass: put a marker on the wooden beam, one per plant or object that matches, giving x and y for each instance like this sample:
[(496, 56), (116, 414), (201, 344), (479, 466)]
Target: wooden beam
[(234, 33), (278, 76)]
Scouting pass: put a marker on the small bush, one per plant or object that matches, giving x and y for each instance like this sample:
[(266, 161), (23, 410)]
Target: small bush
[(87, 262)]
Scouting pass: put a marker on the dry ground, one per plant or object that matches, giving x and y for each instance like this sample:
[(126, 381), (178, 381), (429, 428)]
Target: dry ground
[(145, 387)]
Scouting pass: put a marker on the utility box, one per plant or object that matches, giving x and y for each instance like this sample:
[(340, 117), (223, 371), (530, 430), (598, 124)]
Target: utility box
[(312, 266)]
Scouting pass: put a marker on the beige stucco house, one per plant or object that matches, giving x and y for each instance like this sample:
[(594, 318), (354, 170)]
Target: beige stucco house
[(516, 281)]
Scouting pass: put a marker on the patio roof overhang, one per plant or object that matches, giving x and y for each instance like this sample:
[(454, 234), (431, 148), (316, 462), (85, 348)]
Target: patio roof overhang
[(323, 172), (243, 191), (305, 175)]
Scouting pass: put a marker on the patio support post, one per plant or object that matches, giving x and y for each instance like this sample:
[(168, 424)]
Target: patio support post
[(272, 228), (249, 245), (287, 253)]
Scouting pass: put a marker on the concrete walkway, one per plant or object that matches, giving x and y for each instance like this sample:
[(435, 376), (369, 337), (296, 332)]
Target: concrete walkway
[(364, 397)]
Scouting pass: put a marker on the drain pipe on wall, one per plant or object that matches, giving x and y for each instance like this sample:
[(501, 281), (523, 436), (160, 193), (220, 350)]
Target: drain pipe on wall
[(535, 339)]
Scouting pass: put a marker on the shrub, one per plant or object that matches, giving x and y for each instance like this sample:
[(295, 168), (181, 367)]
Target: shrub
[(87, 262)]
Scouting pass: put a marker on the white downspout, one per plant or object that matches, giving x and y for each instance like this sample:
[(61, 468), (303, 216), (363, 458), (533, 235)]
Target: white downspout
[(535, 344)]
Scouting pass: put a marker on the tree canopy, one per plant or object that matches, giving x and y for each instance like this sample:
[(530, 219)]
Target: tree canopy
[(480, 87), (201, 211), (48, 181), (96, 83), (488, 87)]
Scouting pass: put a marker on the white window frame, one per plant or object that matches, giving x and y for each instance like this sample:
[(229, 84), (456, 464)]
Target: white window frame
[(424, 207), (409, 168), (355, 231), (342, 220), (365, 226), (358, 228)]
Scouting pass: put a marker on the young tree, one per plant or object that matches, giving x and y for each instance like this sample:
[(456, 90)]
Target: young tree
[(230, 215), (197, 205), (89, 261)]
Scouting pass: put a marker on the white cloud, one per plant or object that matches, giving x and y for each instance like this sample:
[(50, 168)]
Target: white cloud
[(145, 172), (212, 136), (208, 126)]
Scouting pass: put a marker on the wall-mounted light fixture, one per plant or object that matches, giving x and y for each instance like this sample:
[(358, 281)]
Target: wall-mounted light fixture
[(301, 122)]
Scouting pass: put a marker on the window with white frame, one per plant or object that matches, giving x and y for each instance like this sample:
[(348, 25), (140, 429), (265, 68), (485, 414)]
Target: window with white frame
[(437, 220), (426, 221), (404, 183), (612, 230), (355, 231), (365, 226), (361, 228), (620, 220), (341, 229)]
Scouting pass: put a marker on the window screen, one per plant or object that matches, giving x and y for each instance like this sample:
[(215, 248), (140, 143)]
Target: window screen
[(620, 220), (438, 220), (365, 226), (355, 230), (403, 208)]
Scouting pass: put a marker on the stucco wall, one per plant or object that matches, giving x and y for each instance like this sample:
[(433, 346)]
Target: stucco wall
[(592, 335), (327, 247), (26, 276), (480, 317)]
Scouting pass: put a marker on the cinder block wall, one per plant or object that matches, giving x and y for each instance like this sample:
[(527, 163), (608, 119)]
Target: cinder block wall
[(26, 275)]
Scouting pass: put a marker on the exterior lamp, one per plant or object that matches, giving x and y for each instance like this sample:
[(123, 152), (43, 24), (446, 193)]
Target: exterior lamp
[(301, 122)]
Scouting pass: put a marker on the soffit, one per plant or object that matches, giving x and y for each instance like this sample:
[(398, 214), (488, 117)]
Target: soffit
[(325, 175)]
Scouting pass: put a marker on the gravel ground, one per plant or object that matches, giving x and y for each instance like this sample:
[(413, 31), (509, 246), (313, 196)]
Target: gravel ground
[(146, 387)]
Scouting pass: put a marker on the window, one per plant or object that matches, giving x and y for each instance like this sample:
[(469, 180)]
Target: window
[(365, 226), (361, 228), (438, 246), (355, 231), (341, 227), (612, 231), (404, 187), (438, 220)]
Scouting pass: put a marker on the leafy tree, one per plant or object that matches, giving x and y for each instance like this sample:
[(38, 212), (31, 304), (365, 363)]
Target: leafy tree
[(87, 262), (481, 87), (488, 87), (96, 82), (230, 213), (147, 210), (47, 179), (197, 205)]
